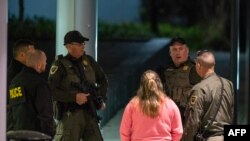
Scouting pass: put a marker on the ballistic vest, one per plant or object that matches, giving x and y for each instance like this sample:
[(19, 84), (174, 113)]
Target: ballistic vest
[(72, 74), (177, 84)]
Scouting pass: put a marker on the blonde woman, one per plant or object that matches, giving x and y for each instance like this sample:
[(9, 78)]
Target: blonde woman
[(151, 115)]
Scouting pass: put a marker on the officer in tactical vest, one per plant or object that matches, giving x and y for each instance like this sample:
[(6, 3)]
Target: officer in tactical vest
[(79, 88), (180, 75)]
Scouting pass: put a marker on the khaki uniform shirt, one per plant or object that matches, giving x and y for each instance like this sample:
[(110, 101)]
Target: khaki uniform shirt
[(203, 104)]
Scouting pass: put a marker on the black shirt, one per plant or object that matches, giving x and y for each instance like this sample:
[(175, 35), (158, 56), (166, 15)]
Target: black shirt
[(32, 104), (14, 68)]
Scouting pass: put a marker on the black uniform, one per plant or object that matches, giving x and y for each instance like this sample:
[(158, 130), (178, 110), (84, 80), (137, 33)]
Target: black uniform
[(14, 68), (204, 104), (69, 76), (31, 102)]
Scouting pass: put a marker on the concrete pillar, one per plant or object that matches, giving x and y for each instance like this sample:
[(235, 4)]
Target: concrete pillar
[(78, 15), (3, 66), (64, 22), (86, 23)]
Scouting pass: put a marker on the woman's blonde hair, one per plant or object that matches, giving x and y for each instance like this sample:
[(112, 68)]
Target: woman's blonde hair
[(150, 93)]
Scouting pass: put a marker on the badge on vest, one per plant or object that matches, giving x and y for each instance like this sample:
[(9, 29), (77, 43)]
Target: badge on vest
[(16, 95), (85, 63), (185, 68)]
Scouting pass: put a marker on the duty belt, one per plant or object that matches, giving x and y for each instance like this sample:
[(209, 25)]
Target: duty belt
[(212, 134)]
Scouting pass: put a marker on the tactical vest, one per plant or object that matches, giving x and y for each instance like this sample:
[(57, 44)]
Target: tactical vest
[(72, 75), (71, 82), (177, 84)]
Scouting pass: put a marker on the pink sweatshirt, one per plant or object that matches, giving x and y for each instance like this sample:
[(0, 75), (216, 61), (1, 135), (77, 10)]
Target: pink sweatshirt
[(137, 127)]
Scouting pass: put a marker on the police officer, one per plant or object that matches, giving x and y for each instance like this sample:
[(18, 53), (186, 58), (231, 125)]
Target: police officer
[(72, 79), (20, 50), (30, 98), (180, 75), (211, 103)]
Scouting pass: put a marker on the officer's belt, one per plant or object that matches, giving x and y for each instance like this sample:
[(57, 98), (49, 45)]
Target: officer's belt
[(74, 107), (212, 134)]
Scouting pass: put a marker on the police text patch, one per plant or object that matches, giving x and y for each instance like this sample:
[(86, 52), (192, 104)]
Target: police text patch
[(16, 95)]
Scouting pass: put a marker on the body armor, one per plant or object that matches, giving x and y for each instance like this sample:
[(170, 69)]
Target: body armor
[(177, 84), (72, 74)]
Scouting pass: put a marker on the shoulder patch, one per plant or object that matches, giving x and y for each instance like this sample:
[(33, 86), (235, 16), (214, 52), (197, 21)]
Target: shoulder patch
[(53, 69), (193, 99), (16, 95)]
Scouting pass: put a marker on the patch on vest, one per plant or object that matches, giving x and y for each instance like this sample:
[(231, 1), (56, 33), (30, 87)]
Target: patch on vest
[(185, 68), (193, 100), (85, 63), (16, 95), (53, 69)]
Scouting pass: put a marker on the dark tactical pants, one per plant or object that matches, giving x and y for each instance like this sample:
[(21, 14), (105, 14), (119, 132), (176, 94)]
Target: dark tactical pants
[(77, 125)]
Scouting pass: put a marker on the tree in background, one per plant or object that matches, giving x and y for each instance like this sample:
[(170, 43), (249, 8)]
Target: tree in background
[(154, 16), (216, 16), (21, 11), (212, 15)]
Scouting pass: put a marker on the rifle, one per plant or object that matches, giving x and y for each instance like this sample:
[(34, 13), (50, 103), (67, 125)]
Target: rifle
[(94, 102)]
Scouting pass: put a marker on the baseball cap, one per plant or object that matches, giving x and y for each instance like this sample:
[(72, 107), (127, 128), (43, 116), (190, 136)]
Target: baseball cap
[(177, 40), (74, 36)]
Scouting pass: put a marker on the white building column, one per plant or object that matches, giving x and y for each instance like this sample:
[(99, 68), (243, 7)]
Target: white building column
[(78, 15), (3, 66), (64, 22), (86, 22)]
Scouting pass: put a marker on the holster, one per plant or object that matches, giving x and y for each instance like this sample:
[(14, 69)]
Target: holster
[(199, 137)]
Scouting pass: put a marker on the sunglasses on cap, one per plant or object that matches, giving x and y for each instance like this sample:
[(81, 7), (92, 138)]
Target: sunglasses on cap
[(200, 52)]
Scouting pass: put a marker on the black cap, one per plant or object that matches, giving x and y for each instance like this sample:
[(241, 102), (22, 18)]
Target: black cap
[(177, 40), (74, 36)]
